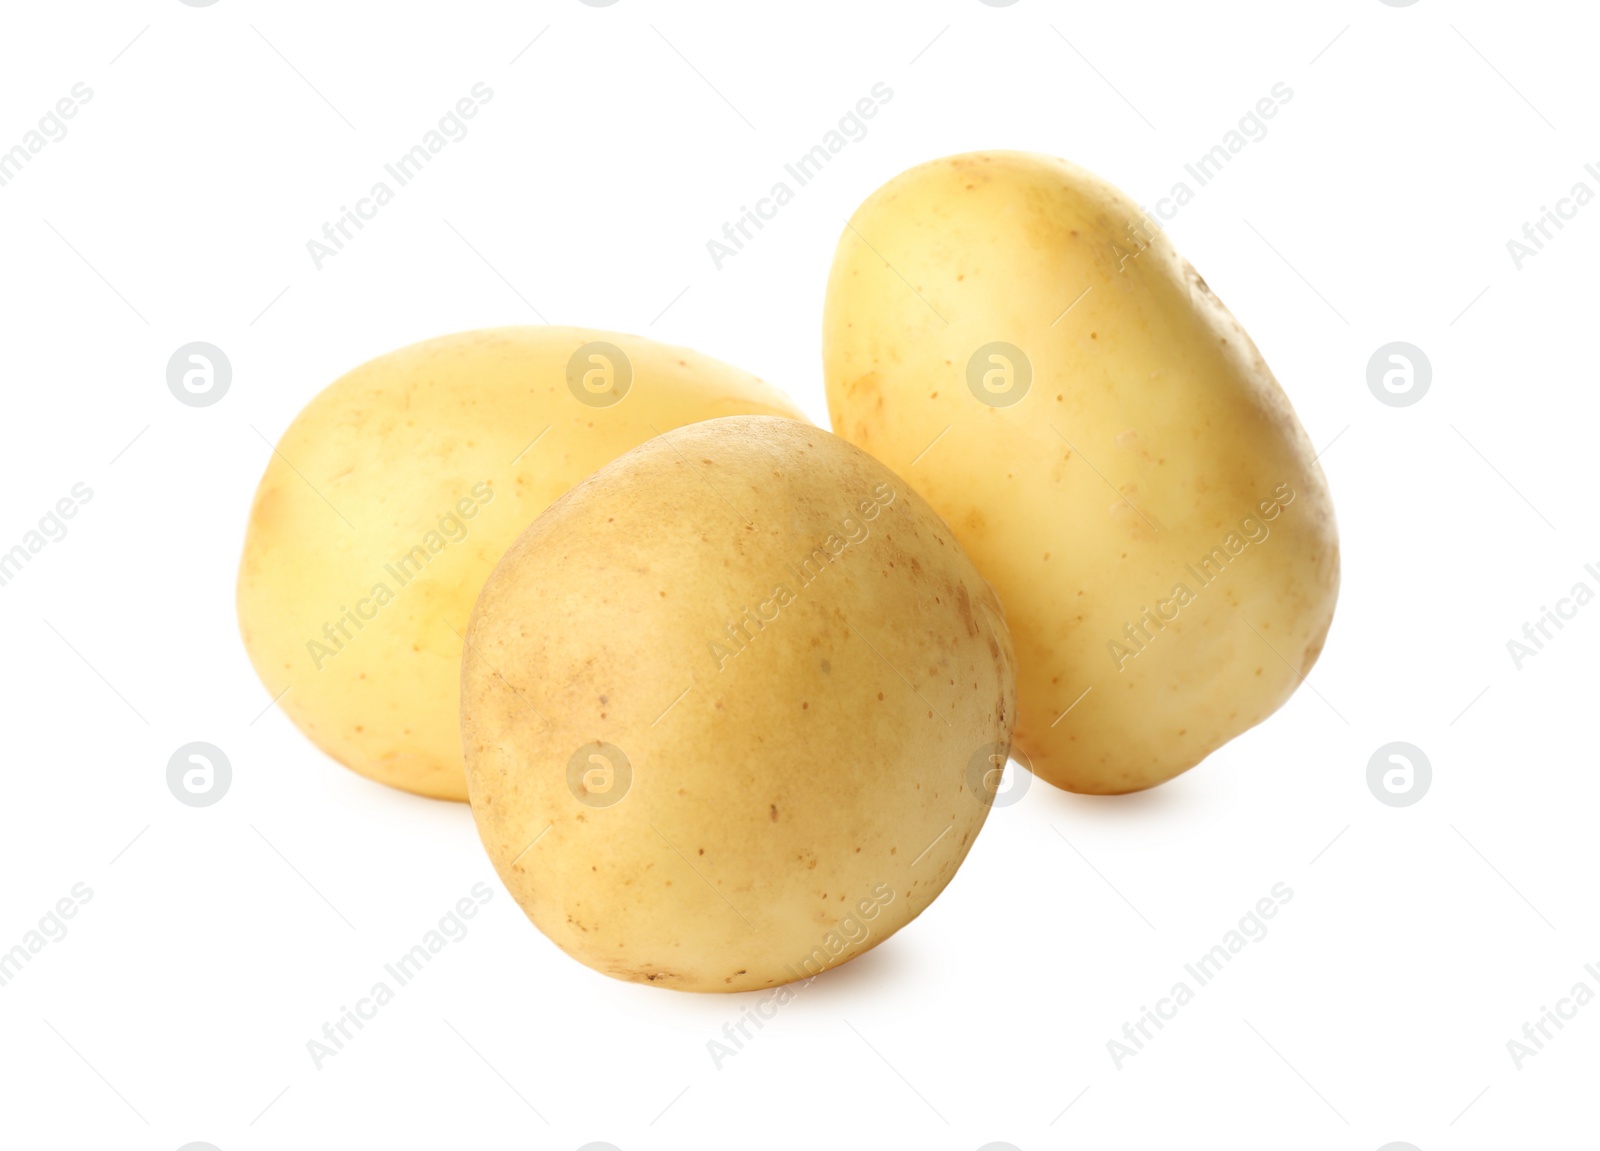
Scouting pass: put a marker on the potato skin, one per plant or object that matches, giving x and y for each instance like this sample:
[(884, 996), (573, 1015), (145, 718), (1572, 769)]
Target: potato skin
[(793, 800), (429, 448), (1152, 434)]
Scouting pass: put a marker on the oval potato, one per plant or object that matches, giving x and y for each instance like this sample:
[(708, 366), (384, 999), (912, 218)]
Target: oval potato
[(391, 497), (732, 708), (1013, 336)]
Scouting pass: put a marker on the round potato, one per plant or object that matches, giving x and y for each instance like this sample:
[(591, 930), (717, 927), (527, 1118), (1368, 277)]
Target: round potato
[(392, 495), (732, 708), (1020, 341)]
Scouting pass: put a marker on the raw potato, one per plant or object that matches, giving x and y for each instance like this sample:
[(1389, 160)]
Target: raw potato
[(726, 705), (1146, 504), (394, 493)]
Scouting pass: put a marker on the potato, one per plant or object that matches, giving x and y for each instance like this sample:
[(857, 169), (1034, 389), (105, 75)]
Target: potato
[(393, 494), (731, 708), (1014, 337)]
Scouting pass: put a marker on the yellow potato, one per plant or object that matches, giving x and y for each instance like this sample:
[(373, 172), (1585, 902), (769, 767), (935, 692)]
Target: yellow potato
[(1011, 335), (393, 494), (731, 708)]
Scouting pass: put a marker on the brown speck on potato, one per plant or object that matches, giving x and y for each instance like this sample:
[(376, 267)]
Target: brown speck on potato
[(772, 808)]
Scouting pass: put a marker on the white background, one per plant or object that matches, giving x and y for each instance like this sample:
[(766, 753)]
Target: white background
[(219, 940)]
